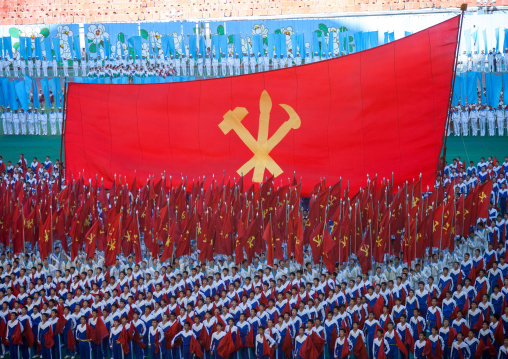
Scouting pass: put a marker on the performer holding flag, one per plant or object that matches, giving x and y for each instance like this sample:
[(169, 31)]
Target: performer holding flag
[(83, 339), (154, 338), (45, 337), (14, 330)]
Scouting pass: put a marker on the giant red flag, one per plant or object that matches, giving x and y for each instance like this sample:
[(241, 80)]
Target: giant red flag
[(299, 119)]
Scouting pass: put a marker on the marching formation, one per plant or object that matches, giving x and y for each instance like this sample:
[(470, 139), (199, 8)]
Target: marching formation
[(210, 269), (180, 65), (211, 64)]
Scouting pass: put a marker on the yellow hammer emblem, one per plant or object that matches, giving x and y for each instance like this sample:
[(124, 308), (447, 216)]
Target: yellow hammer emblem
[(318, 239), (262, 147)]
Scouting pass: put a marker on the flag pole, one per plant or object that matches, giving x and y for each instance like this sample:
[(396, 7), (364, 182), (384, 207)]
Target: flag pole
[(440, 164)]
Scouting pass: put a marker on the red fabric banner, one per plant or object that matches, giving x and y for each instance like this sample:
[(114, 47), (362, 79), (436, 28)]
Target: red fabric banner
[(377, 111)]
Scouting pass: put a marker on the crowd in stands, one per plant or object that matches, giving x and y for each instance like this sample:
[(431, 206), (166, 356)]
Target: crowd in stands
[(195, 65), (153, 65), (476, 119), (445, 303), (494, 61)]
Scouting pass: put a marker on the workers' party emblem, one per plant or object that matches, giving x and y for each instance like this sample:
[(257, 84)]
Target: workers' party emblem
[(262, 147)]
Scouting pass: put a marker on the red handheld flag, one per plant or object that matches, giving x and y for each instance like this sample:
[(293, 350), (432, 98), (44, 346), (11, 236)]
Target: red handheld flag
[(195, 348), (48, 338), (226, 346), (16, 336)]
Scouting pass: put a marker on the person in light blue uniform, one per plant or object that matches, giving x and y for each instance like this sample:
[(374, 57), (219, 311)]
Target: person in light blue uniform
[(83, 340)]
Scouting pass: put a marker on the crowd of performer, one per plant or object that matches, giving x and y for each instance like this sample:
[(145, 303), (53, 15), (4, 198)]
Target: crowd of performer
[(210, 64), (157, 65), (32, 122), (448, 304), (476, 119), (494, 61)]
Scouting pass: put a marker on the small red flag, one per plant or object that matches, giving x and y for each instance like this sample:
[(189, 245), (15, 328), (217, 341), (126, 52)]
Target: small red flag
[(226, 346)]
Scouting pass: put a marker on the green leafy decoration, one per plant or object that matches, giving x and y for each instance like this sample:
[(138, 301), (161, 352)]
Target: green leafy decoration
[(131, 52), (16, 45), (351, 47), (121, 37), (14, 32), (265, 41), (277, 31), (45, 32), (318, 33), (323, 28), (144, 34), (220, 30), (101, 43), (342, 29), (230, 39), (93, 48), (195, 30)]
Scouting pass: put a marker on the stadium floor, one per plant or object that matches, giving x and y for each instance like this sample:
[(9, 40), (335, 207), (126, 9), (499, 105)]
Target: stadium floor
[(468, 148)]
